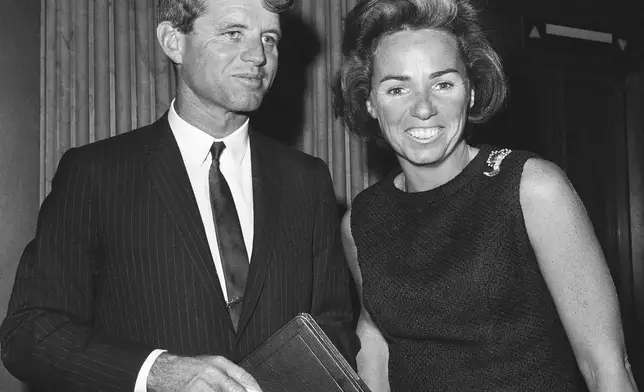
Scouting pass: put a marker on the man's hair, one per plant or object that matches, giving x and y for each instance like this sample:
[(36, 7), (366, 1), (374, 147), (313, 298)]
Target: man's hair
[(372, 20), (182, 13)]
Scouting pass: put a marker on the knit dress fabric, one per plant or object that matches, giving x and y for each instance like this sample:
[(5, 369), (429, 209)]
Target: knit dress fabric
[(451, 280)]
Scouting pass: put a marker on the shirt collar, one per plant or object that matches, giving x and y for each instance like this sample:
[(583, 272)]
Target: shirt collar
[(196, 143)]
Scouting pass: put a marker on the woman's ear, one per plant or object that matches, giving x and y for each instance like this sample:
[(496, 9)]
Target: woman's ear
[(370, 109), (171, 41)]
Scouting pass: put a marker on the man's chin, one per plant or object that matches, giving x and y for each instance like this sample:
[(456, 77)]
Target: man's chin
[(248, 106)]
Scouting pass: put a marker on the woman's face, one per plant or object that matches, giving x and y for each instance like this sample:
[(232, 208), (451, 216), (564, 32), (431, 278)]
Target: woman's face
[(420, 95)]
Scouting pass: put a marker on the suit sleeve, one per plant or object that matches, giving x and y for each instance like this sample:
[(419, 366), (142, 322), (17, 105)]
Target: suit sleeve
[(334, 294), (48, 337)]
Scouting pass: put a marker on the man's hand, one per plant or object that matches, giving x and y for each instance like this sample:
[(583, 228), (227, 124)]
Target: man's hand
[(170, 373)]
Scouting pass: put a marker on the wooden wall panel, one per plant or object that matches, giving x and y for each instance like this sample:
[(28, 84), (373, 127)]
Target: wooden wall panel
[(103, 74)]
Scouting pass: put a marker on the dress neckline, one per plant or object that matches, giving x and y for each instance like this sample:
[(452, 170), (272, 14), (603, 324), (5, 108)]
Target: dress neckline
[(473, 169)]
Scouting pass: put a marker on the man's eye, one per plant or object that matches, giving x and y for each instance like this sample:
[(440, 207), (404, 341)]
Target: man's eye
[(233, 34), (269, 40)]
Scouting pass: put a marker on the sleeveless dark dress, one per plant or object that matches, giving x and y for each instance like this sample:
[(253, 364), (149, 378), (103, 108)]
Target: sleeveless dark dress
[(450, 278)]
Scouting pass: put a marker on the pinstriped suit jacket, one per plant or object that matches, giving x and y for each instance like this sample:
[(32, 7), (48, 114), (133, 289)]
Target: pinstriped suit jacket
[(120, 264)]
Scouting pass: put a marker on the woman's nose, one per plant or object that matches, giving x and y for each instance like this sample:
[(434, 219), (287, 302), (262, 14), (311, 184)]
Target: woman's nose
[(423, 107)]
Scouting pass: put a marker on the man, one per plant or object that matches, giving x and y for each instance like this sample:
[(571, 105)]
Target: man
[(130, 256)]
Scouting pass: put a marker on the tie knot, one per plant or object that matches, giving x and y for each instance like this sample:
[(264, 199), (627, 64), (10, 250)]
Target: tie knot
[(216, 150)]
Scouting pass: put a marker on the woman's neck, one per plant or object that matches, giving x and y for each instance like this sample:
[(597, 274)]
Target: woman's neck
[(427, 177)]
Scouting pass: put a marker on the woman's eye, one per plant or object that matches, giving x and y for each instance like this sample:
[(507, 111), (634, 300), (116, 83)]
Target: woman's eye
[(442, 86), (395, 91)]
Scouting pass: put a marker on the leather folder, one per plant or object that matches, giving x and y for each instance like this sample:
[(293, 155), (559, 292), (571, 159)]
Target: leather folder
[(300, 358)]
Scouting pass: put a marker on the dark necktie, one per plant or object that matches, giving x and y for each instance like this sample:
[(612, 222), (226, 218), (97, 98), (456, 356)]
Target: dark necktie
[(234, 258)]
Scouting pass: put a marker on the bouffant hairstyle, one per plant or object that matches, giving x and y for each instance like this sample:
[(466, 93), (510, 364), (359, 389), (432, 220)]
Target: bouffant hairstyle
[(182, 13), (372, 20)]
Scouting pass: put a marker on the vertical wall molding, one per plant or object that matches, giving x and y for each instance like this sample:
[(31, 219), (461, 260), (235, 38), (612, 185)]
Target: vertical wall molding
[(635, 150), (103, 74)]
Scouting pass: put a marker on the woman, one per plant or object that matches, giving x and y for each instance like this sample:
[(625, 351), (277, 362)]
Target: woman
[(478, 268)]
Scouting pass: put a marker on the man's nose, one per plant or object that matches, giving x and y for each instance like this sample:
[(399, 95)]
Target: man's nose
[(254, 53)]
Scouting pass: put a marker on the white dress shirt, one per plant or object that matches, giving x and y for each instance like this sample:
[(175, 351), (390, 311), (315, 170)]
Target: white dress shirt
[(235, 164)]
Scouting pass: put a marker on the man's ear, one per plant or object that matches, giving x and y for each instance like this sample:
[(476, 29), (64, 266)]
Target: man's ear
[(171, 41), (472, 96)]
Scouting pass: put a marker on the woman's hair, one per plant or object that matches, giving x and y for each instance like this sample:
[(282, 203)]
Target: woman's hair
[(372, 20), (182, 13)]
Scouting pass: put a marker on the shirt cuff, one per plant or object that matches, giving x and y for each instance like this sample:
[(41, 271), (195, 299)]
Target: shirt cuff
[(141, 384)]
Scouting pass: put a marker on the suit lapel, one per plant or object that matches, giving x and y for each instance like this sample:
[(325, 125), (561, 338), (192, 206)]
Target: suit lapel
[(171, 179), (266, 206)]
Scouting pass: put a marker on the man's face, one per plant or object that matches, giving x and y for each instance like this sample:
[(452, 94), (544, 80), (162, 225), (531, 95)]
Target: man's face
[(229, 61)]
